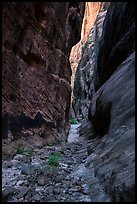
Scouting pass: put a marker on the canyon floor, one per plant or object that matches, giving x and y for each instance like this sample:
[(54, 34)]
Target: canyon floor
[(32, 178)]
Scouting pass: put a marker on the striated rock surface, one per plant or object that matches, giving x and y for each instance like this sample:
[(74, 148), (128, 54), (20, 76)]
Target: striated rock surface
[(117, 41), (83, 84), (112, 115), (36, 42), (110, 112), (91, 12)]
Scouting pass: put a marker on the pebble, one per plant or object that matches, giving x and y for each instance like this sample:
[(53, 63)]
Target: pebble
[(18, 156), (19, 183), (39, 189), (36, 197), (8, 190), (9, 164), (59, 178), (56, 191), (22, 191), (41, 180), (27, 169), (12, 182)]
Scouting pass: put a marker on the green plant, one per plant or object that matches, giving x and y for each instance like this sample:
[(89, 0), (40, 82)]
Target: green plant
[(62, 150), (73, 121), (54, 158), (49, 144), (20, 150), (26, 151)]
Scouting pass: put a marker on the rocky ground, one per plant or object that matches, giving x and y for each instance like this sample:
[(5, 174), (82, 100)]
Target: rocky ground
[(30, 177)]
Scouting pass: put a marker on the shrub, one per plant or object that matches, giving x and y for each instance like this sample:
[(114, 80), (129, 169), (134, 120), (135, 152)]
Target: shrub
[(73, 121), (22, 150), (54, 158)]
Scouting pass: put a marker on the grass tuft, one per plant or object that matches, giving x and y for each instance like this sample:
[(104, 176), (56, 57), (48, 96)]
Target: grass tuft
[(73, 121)]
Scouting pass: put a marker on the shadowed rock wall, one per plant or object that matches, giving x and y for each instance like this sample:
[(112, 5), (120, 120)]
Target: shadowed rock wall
[(112, 113), (117, 41), (36, 42), (109, 122)]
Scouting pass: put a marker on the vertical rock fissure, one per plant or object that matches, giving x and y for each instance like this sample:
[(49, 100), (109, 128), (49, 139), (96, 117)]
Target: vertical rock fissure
[(68, 115)]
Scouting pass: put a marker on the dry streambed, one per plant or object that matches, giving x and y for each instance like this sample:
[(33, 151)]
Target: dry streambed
[(53, 174)]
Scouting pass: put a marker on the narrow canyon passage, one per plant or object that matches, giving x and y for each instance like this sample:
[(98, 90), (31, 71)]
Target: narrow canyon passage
[(30, 178), (68, 102)]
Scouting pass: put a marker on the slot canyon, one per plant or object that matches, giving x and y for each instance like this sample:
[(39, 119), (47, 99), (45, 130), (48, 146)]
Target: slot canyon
[(68, 102)]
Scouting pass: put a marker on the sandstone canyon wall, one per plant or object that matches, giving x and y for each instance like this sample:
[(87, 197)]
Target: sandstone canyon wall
[(36, 73), (119, 29), (91, 12), (36, 43), (83, 84), (109, 119)]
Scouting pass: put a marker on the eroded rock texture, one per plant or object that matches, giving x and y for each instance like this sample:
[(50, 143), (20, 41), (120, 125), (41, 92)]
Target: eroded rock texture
[(110, 116), (117, 41), (83, 84), (91, 11), (36, 42)]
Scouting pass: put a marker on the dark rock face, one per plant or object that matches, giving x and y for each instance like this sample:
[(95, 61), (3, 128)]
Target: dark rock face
[(113, 104), (74, 23), (117, 41), (115, 161), (110, 117), (113, 120), (36, 42)]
